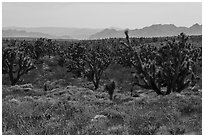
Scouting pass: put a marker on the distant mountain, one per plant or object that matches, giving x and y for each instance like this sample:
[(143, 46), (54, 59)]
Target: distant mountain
[(75, 33), (157, 30), (22, 33)]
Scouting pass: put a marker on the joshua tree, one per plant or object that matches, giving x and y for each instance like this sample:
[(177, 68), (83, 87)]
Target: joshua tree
[(75, 58), (15, 64), (170, 66), (98, 59), (39, 48)]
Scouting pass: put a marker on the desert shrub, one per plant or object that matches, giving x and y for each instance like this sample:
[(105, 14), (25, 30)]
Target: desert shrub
[(148, 123), (186, 126), (50, 61), (108, 121), (177, 130), (15, 117), (188, 105), (147, 115), (98, 125), (188, 109), (10, 120), (175, 112), (118, 130), (143, 125), (5, 91), (74, 114), (101, 95), (115, 117), (21, 90), (42, 116), (22, 118), (102, 104)]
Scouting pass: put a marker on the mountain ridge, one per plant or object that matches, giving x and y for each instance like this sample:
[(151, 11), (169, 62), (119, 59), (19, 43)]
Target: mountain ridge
[(155, 30)]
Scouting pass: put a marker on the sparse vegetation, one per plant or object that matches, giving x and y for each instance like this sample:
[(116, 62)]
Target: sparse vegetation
[(70, 93)]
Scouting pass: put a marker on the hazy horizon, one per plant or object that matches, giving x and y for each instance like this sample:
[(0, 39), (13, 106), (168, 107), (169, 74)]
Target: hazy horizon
[(94, 28), (122, 15)]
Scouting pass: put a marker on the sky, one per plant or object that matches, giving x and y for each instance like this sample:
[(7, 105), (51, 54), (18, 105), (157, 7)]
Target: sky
[(100, 15)]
